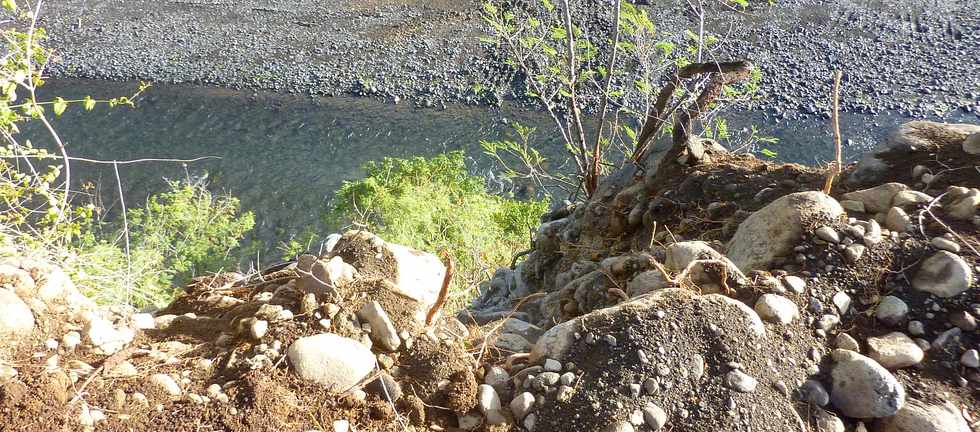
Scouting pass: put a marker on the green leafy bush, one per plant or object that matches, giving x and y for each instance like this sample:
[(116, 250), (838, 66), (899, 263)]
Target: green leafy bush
[(436, 205), (181, 233)]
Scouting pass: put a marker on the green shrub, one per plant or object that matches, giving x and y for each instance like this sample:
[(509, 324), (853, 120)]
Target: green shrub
[(179, 234), (436, 205)]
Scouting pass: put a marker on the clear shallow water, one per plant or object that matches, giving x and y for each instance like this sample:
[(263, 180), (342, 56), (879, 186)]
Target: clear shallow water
[(284, 156)]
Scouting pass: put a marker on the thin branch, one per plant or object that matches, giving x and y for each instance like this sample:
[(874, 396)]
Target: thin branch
[(605, 93), (835, 168)]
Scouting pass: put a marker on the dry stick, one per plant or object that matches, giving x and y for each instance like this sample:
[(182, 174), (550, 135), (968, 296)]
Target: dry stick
[(657, 115), (444, 292), (835, 170), (605, 93), (129, 261)]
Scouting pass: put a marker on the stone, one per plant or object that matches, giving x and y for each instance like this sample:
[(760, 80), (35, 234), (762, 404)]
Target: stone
[(842, 301), (682, 254), (324, 276), (620, 426), (845, 341), (654, 416), (521, 405), (861, 388), (773, 231), (813, 392), (828, 234), (898, 220), (330, 360), (854, 252), (645, 282), (961, 203), (497, 377), (164, 384), (143, 321), (877, 199), (521, 328), (824, 421), (776, 308), (383, 331), (487, 399), (853, 206), (19, 280), (945, 244), (552, 365), (970, 359), (895, 350), (963, 320), (918, 416), (107, 338), (341, 425), (910, 197), (16, 318), (469, 422), (258, 328), (891, 310), (795, 284), (512, 343), (740, 381), (7, 373), (385, 387), (872, 234), (944, 275), (971, 144)]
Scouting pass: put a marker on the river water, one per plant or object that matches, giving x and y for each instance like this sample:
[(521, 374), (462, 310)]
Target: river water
[(284, 156)]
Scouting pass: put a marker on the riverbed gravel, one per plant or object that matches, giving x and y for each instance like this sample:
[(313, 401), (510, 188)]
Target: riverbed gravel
[(907, 57)]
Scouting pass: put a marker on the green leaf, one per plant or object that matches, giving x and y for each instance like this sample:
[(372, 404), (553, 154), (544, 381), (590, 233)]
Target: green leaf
[(10, 5), (769, 153), (59, 106), (88, 103)]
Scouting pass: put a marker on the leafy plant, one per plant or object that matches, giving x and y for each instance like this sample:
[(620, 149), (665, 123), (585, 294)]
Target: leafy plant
[(434, 205)]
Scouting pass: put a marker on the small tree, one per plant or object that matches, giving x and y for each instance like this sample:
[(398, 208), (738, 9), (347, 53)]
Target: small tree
[(559, 62)]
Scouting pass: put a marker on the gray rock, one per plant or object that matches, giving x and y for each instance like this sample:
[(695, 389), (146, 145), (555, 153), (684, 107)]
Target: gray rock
[(854, 252), (16, 318), (963, 320), (872, 234), (163, 384), (619, 426), (944, 275), (970, 359), (898, 220), (776, 308), (971, 144), (487, 399), (917, 416), (795, 284), (846, 342), (877, 199), (909, 138), (910, 197), (646, 282), (521, 405), (654, 416), (824, 421), (383, 331), (891, 310), (961, 203), (894, 350), (774, 230), (947, 338), (828, 234), (853, 206), (512, 343), (916, 328), (330, 360), (945, 244), (682, 254), (813, 391), (497, 377), (740, 381), (524, 329), (842, 301), (861, 388)]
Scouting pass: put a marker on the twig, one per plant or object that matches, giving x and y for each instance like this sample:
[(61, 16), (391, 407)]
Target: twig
[(129, 261), (444, 292), (605, 93), (835, 169)]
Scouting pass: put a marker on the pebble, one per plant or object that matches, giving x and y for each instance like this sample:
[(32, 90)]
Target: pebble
[(970, 359), (842, 301), (862, 388), (654, 416), (895, 350), (521, 405), (776, 308), (891, 310), (258, 329), (828, 234), (552, 365), (916, 328), (845, 341), (740, 381), (945, 244), (165, 384), (813, 391), (795, 284), (963, 320), (854, 252)]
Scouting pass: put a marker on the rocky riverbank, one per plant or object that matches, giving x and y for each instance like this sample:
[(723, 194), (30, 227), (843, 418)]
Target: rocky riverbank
[(728, 295), (428, 52)]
